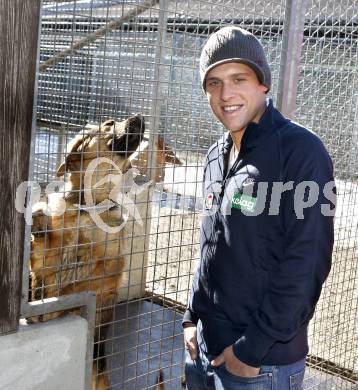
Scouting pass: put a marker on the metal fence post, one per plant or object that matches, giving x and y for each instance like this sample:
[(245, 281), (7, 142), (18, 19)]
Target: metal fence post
[(353, 161), (154, 120), (157, 94), (291, 55)]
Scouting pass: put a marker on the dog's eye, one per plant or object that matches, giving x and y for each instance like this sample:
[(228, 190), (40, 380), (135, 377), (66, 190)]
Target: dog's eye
[(110, 123)]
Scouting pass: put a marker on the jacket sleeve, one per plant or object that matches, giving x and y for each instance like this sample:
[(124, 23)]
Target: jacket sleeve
[(190, 316), (295, 286)]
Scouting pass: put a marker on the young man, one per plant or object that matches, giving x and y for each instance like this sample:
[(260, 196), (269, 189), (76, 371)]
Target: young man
[(267, 231)]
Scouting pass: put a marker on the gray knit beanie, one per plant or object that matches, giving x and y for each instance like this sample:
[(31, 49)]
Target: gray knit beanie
[(233, 44)]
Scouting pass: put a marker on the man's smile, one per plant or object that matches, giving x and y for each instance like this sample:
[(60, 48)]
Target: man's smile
[(232, 109)]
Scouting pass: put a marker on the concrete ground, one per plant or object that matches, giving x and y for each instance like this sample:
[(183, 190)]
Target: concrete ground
[(144, 338)]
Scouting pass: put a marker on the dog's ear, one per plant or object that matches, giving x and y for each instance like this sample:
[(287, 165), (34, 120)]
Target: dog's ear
[(169, 155), (40, 221), (72, 154)]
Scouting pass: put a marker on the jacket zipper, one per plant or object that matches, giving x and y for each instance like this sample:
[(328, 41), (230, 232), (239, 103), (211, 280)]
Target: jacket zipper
[(228, 175)]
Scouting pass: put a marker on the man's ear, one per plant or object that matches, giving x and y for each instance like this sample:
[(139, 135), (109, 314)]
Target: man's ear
[(72, 154), (266, 89)]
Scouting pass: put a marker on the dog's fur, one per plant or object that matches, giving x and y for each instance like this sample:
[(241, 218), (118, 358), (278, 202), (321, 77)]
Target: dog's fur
[(69, 252)]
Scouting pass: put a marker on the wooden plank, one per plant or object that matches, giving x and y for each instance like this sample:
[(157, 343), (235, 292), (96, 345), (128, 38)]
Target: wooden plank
[(19, 22)]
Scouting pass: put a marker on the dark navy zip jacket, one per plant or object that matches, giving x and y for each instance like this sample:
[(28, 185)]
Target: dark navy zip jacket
[(263, 259)]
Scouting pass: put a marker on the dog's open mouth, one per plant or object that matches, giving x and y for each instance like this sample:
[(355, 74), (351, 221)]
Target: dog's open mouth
[(128, 142)]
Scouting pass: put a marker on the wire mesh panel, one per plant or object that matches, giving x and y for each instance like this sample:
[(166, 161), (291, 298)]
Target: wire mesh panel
[(327, 103), (103, 60)]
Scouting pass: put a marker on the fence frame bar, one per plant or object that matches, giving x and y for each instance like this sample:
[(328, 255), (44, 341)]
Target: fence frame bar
[(154, 125), (157, 94), (86, 302)]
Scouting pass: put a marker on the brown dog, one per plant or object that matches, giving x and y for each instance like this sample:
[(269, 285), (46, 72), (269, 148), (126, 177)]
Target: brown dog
[(70, 253)]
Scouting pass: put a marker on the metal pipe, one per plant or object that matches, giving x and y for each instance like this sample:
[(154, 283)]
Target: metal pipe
[(291, 53), (157, 94), (154, 125)]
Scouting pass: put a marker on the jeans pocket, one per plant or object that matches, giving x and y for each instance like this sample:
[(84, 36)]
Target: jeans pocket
[(296, 380), (258, 382)]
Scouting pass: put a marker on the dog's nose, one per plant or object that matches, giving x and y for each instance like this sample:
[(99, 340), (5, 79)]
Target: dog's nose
[(138, 119), (136, 124)]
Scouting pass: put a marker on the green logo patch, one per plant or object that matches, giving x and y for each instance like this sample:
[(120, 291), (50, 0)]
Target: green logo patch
[(243, 202)]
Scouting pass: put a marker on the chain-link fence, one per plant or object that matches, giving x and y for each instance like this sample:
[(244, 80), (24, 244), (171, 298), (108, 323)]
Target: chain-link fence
[(104, 59)]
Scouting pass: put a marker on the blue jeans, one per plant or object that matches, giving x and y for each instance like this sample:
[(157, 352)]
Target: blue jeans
[(200, 375)]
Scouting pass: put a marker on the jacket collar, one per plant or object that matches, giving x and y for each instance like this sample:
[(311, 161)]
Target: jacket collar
[(255, 133)]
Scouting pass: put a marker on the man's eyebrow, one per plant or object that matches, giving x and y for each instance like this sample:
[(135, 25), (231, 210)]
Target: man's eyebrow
[(212, 78), (239, 74)]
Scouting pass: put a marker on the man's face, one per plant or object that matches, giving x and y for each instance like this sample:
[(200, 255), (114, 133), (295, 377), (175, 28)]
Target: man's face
[(235, 95)]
